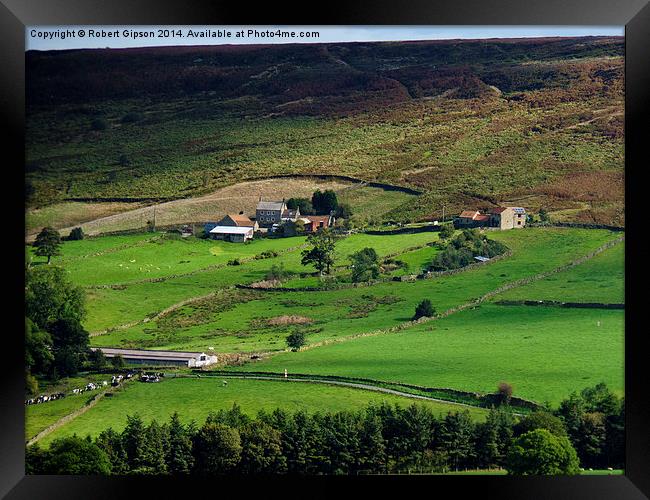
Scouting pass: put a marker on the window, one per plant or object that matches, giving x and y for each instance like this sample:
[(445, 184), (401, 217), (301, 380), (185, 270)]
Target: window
[(202, 358)]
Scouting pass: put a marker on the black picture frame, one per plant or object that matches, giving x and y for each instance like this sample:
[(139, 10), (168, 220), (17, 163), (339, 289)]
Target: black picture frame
[(16, 14)]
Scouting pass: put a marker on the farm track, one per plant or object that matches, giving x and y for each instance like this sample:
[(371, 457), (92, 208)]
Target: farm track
[(71, 416), (354, 385)]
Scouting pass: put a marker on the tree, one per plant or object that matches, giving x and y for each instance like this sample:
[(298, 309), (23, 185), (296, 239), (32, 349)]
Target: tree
[(73, 455), (424, 308), (97, 359), (504, 392), (446, 231), (540, 420), (324, 202), (76, 234), (303, 204), (49, 296), (365, 265), (539, 452), (38, 349), (47, 243), (35, 459), (321, 255), (216, 449), (493, 438), (70, 345), (456, 438), (261, 450), (111, 443), (543, 215), (343, 211), (296, 339), (179, 452), (118, 362)]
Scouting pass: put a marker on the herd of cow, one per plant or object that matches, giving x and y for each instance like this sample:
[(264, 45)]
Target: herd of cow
[(151, 377), (91, 386)]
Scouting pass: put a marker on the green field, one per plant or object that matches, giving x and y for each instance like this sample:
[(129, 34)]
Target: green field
[(545, 353), (601, 279), (339, 313), (40, 416), (194, 398)]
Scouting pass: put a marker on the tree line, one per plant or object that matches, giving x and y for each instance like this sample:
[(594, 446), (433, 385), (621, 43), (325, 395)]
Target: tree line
[(586, 430)]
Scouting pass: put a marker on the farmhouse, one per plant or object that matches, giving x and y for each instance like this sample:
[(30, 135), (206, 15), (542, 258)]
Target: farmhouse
[(499, 217), (234, 234), (268, 213), (166, 358), (507, 217)]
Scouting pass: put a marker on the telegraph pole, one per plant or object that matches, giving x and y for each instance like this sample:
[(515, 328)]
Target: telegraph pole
[(154, 218), (443, 213)]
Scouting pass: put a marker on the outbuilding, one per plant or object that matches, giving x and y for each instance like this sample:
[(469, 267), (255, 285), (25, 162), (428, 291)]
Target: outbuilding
[(165, 358), (232, 233)]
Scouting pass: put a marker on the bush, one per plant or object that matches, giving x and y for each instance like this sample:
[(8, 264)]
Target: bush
[(76, 234), (277, 272), (460, 251), (124, 161), (99, 124), (446, 231), (132, 117), (296, 340), (424, 308), (539, 452)]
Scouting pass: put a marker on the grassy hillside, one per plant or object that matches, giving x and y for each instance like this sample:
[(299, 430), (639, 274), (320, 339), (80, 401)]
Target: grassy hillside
[(238, 322), (545, 353), (445, 117)]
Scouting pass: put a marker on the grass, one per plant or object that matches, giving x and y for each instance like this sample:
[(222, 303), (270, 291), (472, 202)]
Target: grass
[(40, 416), (601, 279), (338, 313), (160, 257), (124, 260), (545, 353), (194, 398)]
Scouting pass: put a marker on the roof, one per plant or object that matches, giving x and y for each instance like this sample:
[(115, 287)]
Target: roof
[(241, 220), (519, 210), (468, 214), (482, 217), (270, 205), (145, 354), (497, 210), (319, 218), (289, 213), (231, 230)]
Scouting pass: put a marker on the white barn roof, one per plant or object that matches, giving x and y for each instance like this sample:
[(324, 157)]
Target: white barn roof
[(231, 230), (145, 354)]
